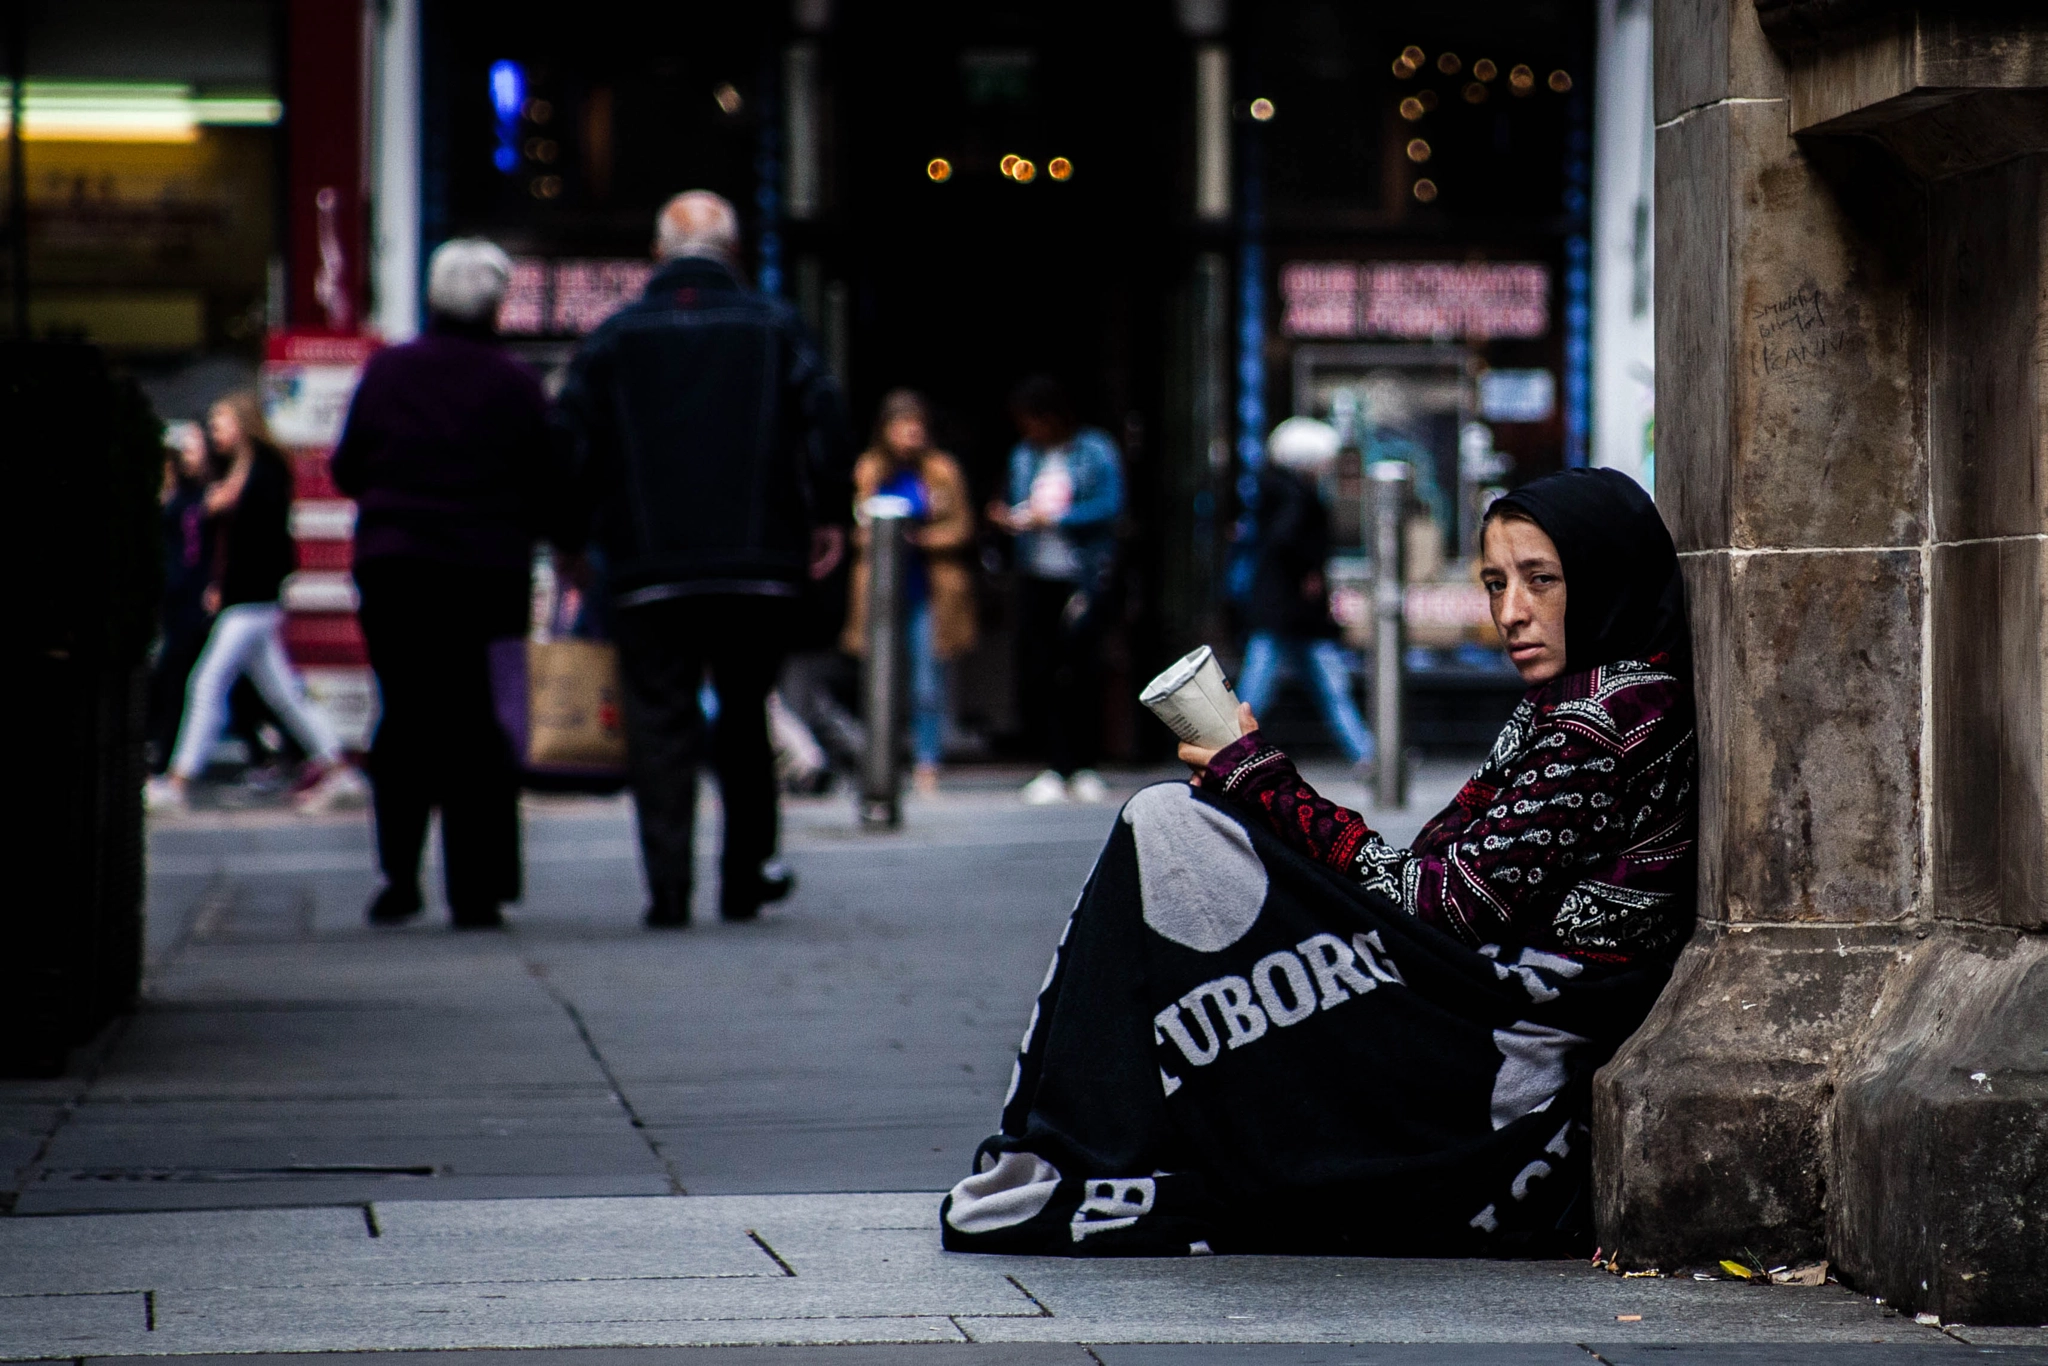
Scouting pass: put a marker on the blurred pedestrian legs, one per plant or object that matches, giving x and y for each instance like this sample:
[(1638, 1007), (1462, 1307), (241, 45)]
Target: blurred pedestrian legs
[(1324, 666)]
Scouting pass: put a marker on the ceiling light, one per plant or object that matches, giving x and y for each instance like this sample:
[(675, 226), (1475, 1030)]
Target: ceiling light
[(1059, 168), (938, 169), (129, 111), (1560, 81), (1425, 190), (1262, 109)]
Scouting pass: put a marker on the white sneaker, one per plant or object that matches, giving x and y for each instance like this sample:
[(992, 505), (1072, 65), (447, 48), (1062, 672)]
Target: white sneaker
[(1047, 789), (164, 797), (1087, 787), (340, 788)]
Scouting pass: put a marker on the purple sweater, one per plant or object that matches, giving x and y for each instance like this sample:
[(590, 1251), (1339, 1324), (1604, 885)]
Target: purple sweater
[(447, 455)]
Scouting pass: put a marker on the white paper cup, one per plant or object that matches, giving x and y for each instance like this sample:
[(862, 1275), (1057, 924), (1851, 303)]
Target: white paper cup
[(1194, 701)]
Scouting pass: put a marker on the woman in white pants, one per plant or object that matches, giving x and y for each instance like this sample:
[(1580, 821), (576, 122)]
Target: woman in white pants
[(251, 508)]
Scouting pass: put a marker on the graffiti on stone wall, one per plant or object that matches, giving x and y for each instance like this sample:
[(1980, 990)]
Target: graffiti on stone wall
[(1793, 331)]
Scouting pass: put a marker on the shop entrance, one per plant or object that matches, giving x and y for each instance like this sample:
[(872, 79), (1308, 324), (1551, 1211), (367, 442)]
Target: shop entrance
[(965, 272)]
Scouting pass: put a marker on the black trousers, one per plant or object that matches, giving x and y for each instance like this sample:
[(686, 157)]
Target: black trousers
[(438, 742), (665, 648), (1060, 673)]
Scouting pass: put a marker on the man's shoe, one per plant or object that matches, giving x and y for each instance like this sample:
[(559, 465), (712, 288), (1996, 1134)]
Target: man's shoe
[(394, 905), (670, 912), (743, 902), (482, 917), (1047, 789)]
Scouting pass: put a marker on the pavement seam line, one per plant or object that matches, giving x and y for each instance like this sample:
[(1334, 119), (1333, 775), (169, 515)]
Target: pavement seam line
[(370, 1220), (1591, 1353), (25, 1173), (149, 1311), (773, 1255), (959, 1327), (1039, 1304), (1092, 1355), (538, 972)]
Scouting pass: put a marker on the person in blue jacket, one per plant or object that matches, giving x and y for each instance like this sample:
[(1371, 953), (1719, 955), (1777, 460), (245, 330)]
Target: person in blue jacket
[(1066, 491)]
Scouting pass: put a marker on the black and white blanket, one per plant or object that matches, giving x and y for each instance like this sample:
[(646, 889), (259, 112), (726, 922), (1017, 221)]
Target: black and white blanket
[(1236, 1049)]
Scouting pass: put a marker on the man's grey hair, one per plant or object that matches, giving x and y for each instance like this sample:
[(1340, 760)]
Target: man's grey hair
[(467, 278), (698, 223)]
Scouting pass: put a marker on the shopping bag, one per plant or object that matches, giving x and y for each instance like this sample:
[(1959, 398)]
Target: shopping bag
[(559, 703)]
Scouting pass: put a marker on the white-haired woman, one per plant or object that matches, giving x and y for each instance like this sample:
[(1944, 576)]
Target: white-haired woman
[(446, 453), (1289, 611)]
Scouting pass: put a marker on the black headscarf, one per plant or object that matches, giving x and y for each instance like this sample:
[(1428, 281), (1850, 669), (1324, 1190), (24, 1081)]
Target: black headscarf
[(1624, 598)]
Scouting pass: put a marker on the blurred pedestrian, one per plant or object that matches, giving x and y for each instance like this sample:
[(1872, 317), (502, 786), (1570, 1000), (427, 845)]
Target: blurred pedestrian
[(250, 506), (710, 445), (1289, 611), (1066, 491), (938, 590), (447, 453), (183, 620)]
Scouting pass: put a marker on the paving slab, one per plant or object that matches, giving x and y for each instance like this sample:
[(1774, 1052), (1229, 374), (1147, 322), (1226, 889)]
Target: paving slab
[(712, 1270)]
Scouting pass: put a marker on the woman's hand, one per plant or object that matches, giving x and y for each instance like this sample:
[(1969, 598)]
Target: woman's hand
[(1198, 758)]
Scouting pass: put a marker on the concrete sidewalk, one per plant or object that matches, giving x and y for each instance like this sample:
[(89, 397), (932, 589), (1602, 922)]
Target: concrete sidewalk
[(577, 1135), (817, 1269)]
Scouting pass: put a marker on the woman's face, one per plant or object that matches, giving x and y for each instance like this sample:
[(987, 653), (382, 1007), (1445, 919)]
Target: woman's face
[(224, 427), (904, 435), (1525, 586), (191, 447)]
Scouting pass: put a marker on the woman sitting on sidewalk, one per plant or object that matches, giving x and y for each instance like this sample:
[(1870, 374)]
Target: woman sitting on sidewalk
[(1268, 1029), (251, 509)]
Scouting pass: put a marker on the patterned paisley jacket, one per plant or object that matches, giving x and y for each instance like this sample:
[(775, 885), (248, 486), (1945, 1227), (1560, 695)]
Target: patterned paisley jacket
[(1576, 835)]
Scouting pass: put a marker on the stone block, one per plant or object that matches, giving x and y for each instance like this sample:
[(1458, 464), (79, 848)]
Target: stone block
[(1940, 1171), (1989, 650), (1985, 317), (1709, 50), (1808, 674), (1797, 319), (1710, 1124)]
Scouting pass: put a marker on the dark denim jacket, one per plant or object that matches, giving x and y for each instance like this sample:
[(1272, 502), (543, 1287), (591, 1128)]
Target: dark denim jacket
[(708, 439)]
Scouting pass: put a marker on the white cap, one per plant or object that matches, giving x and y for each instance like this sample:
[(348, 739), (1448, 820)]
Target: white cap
[(1302, 443), (467, 278)]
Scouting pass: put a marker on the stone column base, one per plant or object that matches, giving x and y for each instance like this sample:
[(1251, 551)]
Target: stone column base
[(1875, 1095)]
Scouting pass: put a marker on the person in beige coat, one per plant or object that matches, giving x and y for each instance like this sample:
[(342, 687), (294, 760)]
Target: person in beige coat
[(939, 589)]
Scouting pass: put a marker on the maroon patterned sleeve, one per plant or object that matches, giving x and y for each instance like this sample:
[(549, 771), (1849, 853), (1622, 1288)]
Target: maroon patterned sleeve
[(1261, 776)]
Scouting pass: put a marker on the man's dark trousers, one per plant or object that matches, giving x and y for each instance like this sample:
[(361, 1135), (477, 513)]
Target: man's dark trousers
[(438, 742), (665, 647)]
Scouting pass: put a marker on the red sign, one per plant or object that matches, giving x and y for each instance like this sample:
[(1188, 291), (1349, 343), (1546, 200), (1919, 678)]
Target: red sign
[(319, 348), (1415, 299)]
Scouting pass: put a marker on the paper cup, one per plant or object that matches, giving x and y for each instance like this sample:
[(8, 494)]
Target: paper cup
[(1194, 701)]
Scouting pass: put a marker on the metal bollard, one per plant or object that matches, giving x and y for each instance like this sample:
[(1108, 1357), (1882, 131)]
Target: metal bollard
[(1390, 507), (883, 690)]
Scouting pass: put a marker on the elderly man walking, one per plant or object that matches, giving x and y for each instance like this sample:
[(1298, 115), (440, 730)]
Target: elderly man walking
[(712, 452)]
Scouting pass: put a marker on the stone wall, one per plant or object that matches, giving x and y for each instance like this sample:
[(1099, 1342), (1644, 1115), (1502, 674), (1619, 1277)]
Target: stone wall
[(1850, 1060)]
